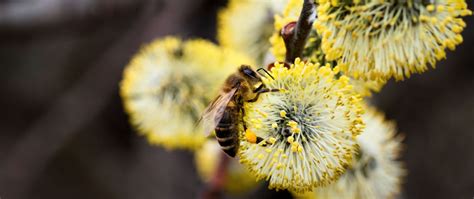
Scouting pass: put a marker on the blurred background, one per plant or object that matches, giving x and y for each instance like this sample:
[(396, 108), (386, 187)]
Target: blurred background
[(64, 134)]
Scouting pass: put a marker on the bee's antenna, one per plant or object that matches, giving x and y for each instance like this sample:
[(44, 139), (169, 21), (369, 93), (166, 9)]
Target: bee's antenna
[(258, 70)]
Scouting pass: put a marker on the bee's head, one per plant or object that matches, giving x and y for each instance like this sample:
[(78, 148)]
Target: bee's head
[(250, 76), (247, 72)]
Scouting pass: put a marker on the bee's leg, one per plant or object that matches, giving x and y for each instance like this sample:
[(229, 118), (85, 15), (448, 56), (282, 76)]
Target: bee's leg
[(242, 119), (259, 139), (264, 90)]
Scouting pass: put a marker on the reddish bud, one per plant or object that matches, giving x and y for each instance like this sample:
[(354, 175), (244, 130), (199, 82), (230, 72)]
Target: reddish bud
[(270, 66), (288, 30)]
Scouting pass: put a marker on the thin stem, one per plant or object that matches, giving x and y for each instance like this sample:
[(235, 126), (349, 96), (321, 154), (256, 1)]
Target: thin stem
[(296, 34), (214, 187)]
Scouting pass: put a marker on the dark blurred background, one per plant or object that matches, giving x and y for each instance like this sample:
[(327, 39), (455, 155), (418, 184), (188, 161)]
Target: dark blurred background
[(64, 134)]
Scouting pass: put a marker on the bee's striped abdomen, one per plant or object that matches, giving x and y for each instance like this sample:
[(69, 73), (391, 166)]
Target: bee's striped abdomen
[(227, 130)]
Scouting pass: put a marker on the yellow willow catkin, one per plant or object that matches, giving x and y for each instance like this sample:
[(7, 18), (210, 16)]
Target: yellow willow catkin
[(380, 39), (308, 129), (246, 25), (376, 171), (168, 84)]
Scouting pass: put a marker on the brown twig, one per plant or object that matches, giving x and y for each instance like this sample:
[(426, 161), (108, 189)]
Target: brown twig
[(295, 34), (214, 187)]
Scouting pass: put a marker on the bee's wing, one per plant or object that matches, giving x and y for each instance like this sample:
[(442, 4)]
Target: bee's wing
[(213, 113)]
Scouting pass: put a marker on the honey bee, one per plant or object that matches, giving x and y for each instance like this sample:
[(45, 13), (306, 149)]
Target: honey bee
[(225, 113)]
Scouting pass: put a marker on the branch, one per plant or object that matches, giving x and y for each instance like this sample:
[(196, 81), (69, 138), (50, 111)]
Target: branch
[(295, 34), (214, 187)]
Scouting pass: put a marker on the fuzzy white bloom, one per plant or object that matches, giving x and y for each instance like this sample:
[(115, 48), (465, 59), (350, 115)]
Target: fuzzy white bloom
[(376, 173), (246, 26), (379, 39), (308, 129), (366, 87), (169, 83)]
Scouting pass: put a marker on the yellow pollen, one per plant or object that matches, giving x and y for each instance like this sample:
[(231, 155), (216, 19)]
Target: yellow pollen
[(430, 8), (294, 148), (274, 125), (279, 166), (290, 139), (295, 144), (250, 136), (457, 29), (441, 8), (283, 113), (336, 69), (272, 140), (296, 130), (300, 148), (292, 124)]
